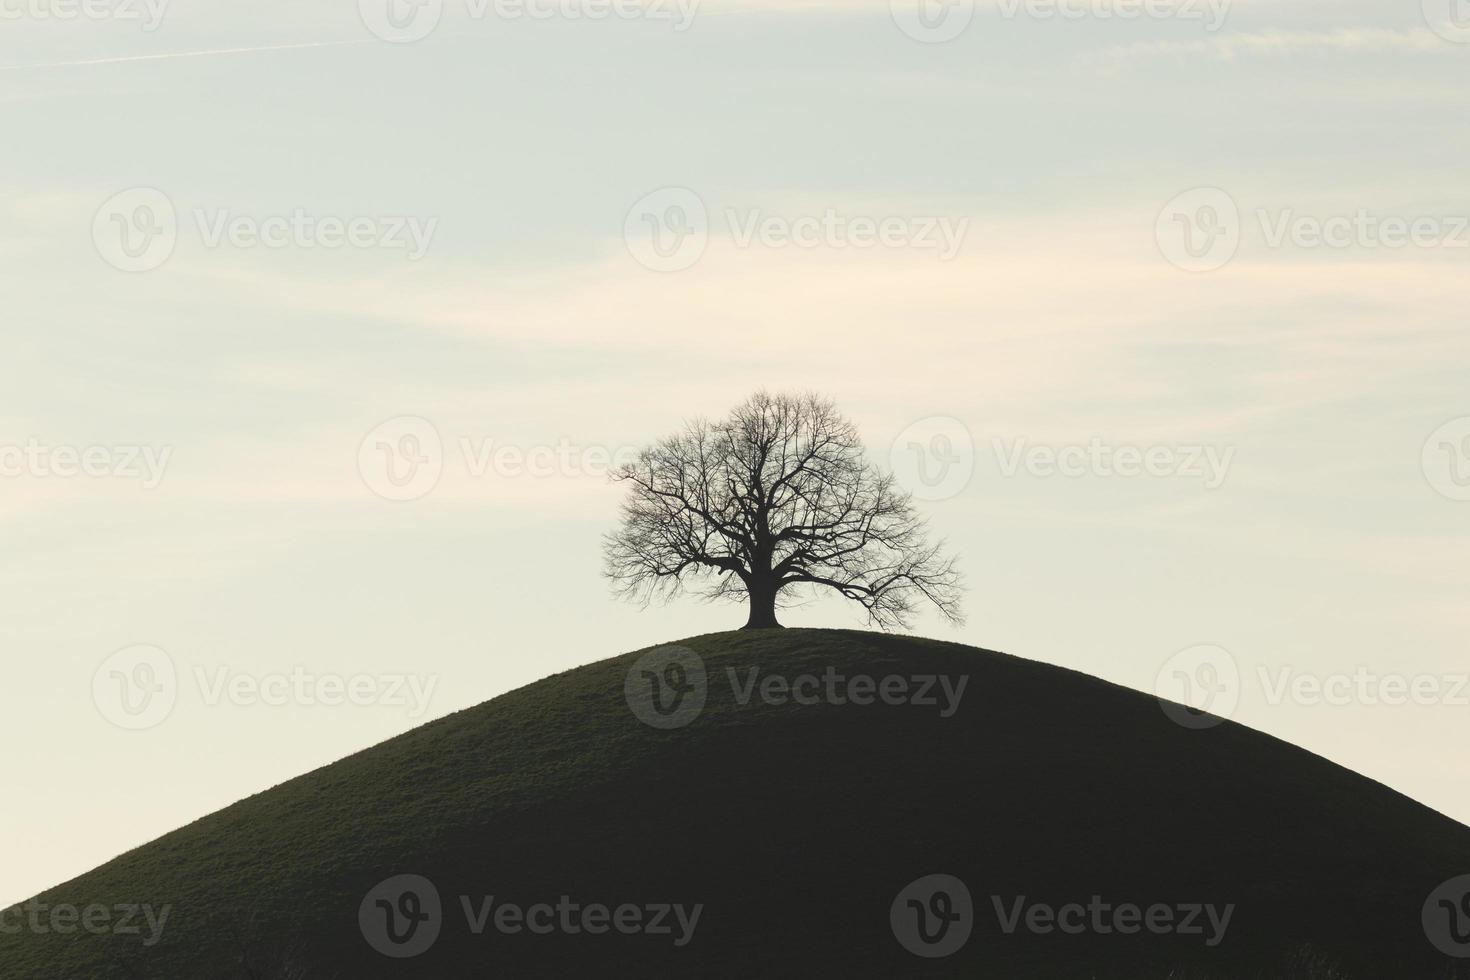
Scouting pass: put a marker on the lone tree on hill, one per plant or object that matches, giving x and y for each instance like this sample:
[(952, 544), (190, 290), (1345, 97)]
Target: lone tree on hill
[(777, 496)]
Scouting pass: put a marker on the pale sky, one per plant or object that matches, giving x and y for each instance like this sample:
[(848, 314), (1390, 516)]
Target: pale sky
[(503, 284)]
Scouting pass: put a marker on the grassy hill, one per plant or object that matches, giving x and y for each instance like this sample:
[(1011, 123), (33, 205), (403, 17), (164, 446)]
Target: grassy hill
[(794, 828)]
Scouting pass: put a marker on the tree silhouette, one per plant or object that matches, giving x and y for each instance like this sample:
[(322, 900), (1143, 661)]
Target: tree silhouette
[(778, 496)]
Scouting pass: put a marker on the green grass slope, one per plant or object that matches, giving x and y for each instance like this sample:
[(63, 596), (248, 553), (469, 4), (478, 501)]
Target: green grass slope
[(793, 827)]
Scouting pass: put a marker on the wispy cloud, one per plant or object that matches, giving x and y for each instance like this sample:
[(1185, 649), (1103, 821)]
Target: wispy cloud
[(174, 55), (1284, 44)]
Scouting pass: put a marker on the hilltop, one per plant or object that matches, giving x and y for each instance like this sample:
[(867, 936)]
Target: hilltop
[(782, 838)]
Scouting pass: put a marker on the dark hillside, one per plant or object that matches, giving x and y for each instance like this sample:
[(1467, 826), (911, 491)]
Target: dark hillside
[(795, 828)]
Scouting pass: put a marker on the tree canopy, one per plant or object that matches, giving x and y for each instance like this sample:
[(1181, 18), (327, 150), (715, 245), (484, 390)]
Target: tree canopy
[(776, 498)]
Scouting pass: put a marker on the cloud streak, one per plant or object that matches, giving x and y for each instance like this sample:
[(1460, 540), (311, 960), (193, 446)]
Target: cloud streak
[(1285, 44), (176, 55)]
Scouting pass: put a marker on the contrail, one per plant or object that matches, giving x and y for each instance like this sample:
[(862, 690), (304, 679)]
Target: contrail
[(187, 54)]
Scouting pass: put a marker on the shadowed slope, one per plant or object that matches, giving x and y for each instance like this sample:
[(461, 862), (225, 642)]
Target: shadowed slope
[(794, 827)]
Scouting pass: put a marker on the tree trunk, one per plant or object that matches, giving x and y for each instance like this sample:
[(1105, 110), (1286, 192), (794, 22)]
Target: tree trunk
[(762, 606)]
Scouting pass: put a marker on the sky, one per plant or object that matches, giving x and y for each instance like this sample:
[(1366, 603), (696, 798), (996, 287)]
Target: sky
[(322, 323)]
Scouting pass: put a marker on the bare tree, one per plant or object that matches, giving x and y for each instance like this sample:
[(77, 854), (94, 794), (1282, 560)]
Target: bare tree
[(778, 496)]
